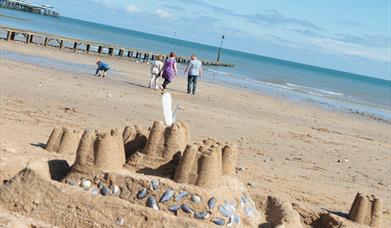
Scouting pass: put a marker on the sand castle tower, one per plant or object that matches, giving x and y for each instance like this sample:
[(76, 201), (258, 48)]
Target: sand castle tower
[(165, 142), (134, 139), (203, 164), (99, 152), (366, 210), (63, 140)]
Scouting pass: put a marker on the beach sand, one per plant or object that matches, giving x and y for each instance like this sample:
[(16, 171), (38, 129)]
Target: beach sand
[(314, 158)]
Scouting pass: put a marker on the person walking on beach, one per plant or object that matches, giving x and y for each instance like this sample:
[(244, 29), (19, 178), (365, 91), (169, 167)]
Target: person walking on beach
[(102, 68), (169, 71), (156, 69), (194, 70)]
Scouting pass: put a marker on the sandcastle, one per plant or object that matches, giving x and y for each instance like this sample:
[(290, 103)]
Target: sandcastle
[(159, 174), (203, 164), (366, 210), (63, 140)]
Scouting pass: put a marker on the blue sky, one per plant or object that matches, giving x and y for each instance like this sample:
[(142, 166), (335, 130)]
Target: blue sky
[(347, 35)]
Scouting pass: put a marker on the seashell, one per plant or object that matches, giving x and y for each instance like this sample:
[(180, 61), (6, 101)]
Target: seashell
[(71, 182), (230, 221), (212, 203), (152, 203), (236, 219), (202, 215), (224, 211), (142, 193), (181, 195), (195, 198), (249, 211), (115, 189), (174, 208), (85, 183), (105, 191), (167, 195), (94, 191), (218, 221), (154, 184), (101, 184), (186, 208)]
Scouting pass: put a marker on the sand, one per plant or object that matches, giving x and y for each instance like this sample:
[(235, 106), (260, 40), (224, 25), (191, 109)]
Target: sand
[(314, 158)]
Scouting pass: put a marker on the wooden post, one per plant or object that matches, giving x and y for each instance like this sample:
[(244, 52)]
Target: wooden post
[(61, 44), (88, 48), (27, 36), (75, 46), (13, 34), (121, 52), (31, 38), (8, 35), (46, 41), (100, 49), (129, 55), (111, 50)]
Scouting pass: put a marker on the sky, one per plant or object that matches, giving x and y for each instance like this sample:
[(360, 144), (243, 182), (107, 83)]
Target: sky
[(348, 35)]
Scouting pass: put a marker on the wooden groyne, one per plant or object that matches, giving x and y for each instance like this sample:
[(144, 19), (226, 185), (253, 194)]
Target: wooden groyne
[(28, 7), (89, 47)]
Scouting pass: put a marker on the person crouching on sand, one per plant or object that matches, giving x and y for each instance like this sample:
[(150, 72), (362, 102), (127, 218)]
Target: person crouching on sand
[(102, 69), (156, 69), (195, 69), (169, 70)]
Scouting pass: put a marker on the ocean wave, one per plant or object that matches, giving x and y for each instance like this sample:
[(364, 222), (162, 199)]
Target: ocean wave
[(300, 88), (216, 71)]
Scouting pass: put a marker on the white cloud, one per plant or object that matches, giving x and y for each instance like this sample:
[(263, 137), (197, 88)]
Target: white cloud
[(162, 13), (132, 9)]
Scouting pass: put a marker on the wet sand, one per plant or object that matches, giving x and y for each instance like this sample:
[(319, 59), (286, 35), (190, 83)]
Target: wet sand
[(314, 158)]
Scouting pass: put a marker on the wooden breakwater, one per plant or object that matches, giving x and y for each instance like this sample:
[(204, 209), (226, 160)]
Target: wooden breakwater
[(28, 7), (88, 47)]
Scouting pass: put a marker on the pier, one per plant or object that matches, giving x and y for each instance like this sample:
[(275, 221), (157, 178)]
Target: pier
[(28, 7), (89, 47)]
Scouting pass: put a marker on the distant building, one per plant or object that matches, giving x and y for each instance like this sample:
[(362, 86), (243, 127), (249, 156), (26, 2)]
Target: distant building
[(28, 7)]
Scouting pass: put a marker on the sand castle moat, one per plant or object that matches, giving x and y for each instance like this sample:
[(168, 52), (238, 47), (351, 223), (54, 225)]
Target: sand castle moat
[(161, 178)]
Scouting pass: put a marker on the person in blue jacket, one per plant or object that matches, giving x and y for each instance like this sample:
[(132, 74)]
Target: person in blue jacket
[(102, 69)]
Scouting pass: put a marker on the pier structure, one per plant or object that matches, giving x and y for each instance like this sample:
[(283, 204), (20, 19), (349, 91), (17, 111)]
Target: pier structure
[(28, 7), (89, 47)]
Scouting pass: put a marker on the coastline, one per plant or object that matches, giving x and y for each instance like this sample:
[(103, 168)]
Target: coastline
[(304, 148)]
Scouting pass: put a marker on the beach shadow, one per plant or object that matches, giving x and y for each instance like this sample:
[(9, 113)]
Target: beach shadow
[(58, 169), (166, 170), (339, 213), (135, 84), (42, 145)]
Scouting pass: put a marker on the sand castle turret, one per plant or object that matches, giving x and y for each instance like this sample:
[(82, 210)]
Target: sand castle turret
[(366, 210), (99, 152), (203, 164), (134, 139), (63, 140), (165, 141)]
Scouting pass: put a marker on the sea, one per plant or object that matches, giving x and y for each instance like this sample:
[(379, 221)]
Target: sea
[(326, 88)]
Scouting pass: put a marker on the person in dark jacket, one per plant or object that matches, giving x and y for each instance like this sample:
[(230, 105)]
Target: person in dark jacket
[(102, 69)]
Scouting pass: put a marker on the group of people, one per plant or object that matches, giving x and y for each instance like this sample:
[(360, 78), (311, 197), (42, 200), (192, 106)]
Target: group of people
[(167, 70)]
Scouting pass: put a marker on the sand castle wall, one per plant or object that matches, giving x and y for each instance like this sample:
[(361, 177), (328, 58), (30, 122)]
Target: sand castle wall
[(63, 140)]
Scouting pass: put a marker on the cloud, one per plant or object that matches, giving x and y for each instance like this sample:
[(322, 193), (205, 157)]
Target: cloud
[(366, 40), (306, 32), (162, 13), (132, 9), (274, 17), (347, 22)]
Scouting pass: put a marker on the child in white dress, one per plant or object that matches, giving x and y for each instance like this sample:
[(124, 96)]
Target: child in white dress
[(156, 68)]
